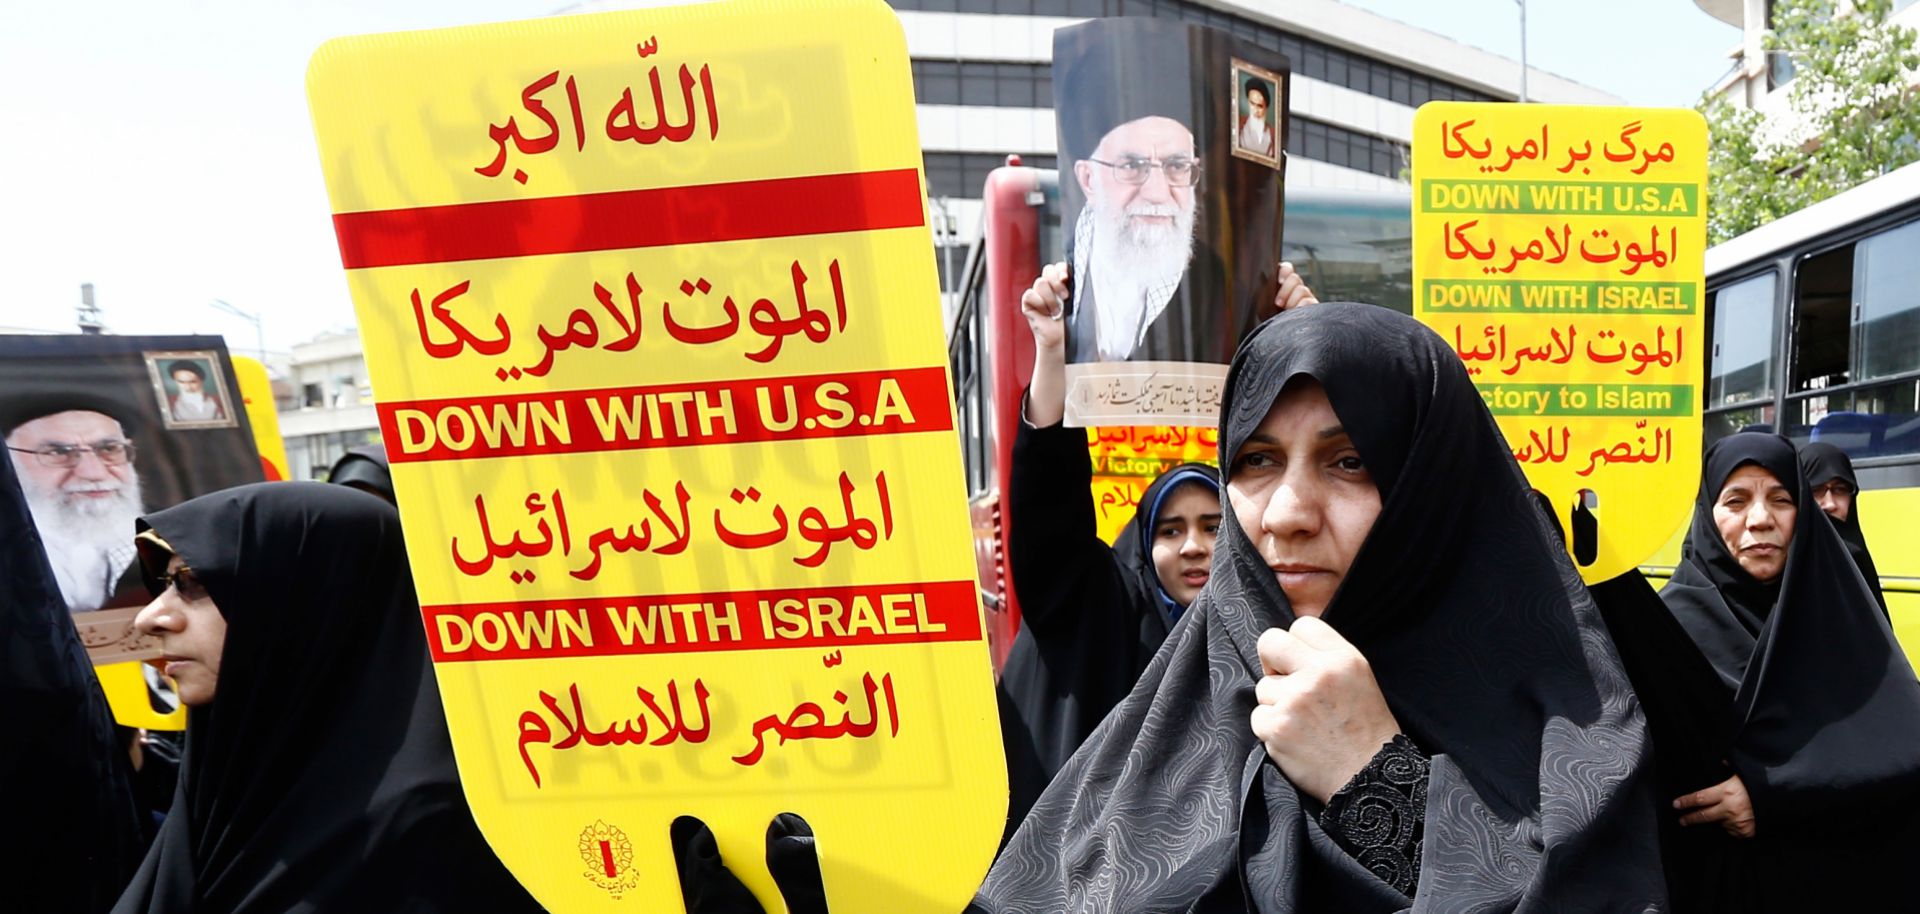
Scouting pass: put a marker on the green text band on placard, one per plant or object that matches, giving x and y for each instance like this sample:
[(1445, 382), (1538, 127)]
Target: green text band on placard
[(1588, 399), (1609, 198), (1546, 296)]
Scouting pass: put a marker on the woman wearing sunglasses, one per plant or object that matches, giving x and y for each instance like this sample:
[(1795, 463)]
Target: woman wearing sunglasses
[(319, 775)]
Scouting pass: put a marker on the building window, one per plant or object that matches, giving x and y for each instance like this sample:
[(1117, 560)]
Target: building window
[(1779, 63), (936, 82), (945, 174), (976, 85), (982, 83), (1321, 142), (1315, 65), (1780, 69), (1016, 86), (964, 174), (950, 261), (1073, 9)]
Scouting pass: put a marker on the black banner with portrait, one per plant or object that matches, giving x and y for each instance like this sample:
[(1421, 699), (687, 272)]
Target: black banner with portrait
[(102, 429), (1172, 151)]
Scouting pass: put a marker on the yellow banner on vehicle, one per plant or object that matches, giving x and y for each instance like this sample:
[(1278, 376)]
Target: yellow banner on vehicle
[(256, 393), (650, 304), (1562, 250)]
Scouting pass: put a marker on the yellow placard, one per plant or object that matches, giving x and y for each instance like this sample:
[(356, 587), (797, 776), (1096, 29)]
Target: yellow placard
[(649, 302), (256, 392), (1128, 458), (125, 685), (1561, 250)]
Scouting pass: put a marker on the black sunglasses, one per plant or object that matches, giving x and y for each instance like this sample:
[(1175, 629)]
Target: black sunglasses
[(182, 579)]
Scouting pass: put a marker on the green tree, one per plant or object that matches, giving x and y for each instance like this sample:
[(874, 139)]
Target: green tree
[(1853, 114)]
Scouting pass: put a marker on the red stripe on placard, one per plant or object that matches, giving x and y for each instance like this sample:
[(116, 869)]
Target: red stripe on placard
[(843, 405), (819, 618), (655, 217)]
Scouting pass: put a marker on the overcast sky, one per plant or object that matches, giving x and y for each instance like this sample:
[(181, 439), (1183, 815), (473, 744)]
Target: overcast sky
[(1649, 52), (163, 151)]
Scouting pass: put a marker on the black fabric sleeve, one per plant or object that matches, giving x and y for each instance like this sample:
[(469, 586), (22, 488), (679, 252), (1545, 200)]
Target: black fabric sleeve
[(1061, 568), (1380, 815), (74, 833)]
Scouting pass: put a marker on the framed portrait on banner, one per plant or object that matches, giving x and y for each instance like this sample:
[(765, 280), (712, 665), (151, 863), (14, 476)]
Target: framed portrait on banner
[(1255, 115), (190, 390)]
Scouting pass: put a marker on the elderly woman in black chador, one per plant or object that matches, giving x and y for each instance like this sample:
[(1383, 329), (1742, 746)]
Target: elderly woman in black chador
[(1394, 692), (1785, 718), (1836, 490), (319, 776)]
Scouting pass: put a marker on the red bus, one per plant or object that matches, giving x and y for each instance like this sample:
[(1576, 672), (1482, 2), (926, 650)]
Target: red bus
[(1347, 245)]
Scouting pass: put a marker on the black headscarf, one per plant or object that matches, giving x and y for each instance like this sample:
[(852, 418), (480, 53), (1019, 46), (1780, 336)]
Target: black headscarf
[(1721, 606), (1477, 628), (1093, 616), (364, 468), (1823, 463), (321, 777), (1826, 712), (72, 831), (1133, 548)]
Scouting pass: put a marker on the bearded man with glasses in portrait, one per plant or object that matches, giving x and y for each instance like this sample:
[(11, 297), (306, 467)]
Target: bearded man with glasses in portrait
[(1134, 237), (75, 462)]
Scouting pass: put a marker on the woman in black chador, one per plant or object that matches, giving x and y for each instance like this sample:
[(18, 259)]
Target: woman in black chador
[(1785, 718), (1091, 616), (319, 776), (1836, 490), (1394, 691)]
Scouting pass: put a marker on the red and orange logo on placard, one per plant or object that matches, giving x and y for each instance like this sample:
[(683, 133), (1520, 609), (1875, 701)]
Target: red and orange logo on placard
[(649, 303)]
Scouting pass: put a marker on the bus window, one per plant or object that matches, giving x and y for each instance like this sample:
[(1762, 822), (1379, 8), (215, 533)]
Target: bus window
[(1740, 385), (965, 356), (981, 393), (1351, 248), (1053, 241), (1886, 302), (1856, 346), (1822, 299)]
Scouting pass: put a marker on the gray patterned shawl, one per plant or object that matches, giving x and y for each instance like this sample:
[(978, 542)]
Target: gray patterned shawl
[(1482, 638)]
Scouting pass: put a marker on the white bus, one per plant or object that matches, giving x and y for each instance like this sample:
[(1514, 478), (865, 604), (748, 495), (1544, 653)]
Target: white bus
[(1815, 322)]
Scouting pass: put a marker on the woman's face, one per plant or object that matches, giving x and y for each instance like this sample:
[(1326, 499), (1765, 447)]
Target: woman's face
[(192, 633), (1835, 496), (1303, 496), (1755, 514), (1183, 535)]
